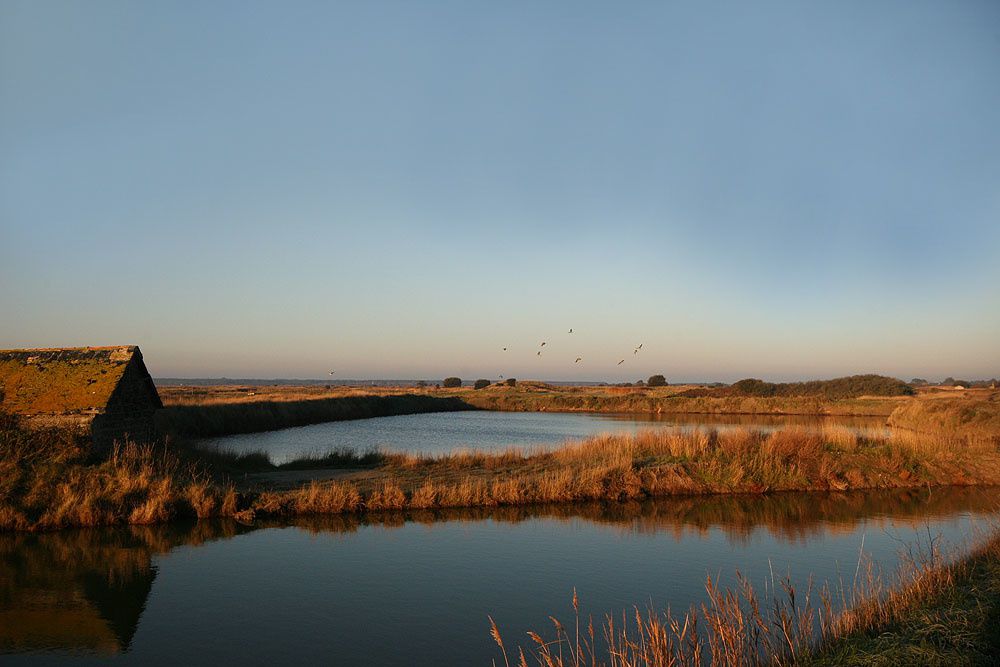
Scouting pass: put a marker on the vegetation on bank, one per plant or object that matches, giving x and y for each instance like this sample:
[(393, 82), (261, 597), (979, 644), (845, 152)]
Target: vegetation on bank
[(934, 611), (845, 387), (212, 411), (961, 416), (45, 483), (212, 419), (537, 397)]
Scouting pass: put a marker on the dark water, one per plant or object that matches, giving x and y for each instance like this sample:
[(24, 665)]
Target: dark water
[(443, 432), (415, 589)]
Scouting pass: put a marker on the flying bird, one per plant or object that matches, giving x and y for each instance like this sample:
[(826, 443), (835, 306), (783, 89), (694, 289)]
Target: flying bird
[(571, 331), (578, 359), (505, 349), (539, 353), (331, 372), (621, 362), (640, 346), (543, 344)]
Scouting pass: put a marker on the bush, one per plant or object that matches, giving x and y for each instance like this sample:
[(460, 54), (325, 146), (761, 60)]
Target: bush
[(845, 387), (452, 382), (755, 387), (481, 384), (656, 381), (511, 382)]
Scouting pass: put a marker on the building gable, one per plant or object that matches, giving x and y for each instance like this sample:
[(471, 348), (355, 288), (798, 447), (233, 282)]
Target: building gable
[(67, 381)]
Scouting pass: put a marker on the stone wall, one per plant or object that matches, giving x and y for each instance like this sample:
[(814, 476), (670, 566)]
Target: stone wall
[(129, 412)]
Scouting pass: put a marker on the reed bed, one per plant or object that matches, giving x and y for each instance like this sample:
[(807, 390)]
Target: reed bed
[(650, 464), (969, 417), (43, 487), (47, 482), (225, 417), (212, 411), (670, 400), (935, 610)]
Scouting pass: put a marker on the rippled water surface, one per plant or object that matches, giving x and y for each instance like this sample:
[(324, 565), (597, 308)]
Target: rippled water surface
[(415, 588), (441, 432)]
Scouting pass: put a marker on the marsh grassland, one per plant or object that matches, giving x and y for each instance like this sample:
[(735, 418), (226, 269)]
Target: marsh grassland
[(936, 610), (48, 483)]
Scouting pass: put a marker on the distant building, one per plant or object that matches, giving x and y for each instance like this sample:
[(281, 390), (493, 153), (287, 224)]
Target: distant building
[(105, 391)]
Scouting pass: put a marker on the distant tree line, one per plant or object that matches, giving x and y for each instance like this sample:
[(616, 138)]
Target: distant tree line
[(845, 387)]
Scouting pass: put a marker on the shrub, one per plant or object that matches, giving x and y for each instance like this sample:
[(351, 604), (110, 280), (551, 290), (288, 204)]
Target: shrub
[(845, 387), (452, 382), (481, 384), (511, 382), (755, 387), (656, 381)]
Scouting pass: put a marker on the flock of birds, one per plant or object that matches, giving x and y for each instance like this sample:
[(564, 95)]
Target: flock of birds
[(538, 352)]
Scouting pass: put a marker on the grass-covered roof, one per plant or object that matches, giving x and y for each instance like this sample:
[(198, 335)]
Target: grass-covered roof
[(61, 380)]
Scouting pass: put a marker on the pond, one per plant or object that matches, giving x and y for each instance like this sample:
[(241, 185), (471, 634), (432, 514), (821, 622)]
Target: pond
[(416, 589), (443, 432)]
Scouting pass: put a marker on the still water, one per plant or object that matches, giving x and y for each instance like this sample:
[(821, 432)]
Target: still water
[(443, 432), (416, 588)]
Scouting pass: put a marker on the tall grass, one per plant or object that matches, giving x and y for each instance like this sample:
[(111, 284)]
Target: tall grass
[(222, 418), (648, 464), (670, 400), (45, 485), (47, 482), (971, 417), (874, 619)]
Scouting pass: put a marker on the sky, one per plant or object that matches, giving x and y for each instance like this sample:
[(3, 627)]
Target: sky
[(782, 190)]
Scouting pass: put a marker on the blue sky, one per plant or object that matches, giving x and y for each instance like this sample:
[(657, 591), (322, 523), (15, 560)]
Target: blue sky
[(398, 189)]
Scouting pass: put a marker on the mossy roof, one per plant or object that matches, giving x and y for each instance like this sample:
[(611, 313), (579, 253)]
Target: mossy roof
[(61, 380)]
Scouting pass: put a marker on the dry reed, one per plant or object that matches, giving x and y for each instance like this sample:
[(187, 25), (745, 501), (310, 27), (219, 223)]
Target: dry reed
[(785, 626)]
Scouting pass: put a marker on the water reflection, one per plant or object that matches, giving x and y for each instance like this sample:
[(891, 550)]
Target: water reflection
[(85, 591)]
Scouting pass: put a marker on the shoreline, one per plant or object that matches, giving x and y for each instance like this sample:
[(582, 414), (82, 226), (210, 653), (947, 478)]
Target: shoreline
[(208, 419), (147, 485)]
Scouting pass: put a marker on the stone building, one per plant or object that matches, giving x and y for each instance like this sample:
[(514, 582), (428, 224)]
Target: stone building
[(105, 391)]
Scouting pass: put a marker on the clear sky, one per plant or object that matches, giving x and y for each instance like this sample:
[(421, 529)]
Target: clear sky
[(400, 189)]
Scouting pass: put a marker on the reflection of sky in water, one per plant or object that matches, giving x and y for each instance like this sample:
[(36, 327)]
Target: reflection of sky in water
[(337, 590), (482, 430)]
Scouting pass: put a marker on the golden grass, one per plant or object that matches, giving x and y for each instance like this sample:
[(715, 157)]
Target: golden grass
[(226, 416), (644, 465), (43, 487), (228, 409), (46, 482), (934, 610), (207, 411), (228, 394), (971, 417)]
